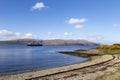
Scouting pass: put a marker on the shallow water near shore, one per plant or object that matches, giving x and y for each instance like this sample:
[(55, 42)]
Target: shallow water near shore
[(20, 58)]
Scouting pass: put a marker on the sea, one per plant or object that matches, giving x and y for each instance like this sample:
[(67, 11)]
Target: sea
[(21, 58)]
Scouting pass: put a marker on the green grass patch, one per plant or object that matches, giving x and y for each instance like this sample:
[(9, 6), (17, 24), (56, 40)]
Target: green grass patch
[(118, 78), (117, 67), (112, 52)]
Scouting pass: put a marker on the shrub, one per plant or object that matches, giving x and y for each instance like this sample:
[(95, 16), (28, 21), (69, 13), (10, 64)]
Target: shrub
[(102, 47), (107, 47)]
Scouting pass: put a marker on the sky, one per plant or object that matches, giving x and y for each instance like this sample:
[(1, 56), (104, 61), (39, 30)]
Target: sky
[(92, 20)]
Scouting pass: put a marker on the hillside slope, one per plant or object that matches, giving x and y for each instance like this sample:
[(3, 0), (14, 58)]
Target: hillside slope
[(49, 42)]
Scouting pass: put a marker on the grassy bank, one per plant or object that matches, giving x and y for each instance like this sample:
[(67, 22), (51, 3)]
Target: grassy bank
[(109, 49)]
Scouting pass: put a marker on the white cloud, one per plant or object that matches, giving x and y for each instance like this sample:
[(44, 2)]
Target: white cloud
[(76, 20), (29, 35), (78, 26), (116, 25), (66, 34), (93, 38), (18, 34), (49, 33), (38, 6), (6, 33)]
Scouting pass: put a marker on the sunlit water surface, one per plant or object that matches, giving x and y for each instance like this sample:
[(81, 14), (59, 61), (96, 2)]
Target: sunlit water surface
[(19, 58)]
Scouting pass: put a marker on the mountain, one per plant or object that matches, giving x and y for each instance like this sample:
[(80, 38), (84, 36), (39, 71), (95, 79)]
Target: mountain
[(49, 42)]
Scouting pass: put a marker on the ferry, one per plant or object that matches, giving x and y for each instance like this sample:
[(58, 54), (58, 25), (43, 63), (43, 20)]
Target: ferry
[(35, 44)]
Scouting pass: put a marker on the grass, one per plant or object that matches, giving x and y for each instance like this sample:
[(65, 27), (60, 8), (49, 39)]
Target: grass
[(112, 52), (109, 49), (117, 67), (118, 78)]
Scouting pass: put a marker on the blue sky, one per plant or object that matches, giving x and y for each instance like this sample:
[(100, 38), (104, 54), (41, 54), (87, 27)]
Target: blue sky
[(93, 20)]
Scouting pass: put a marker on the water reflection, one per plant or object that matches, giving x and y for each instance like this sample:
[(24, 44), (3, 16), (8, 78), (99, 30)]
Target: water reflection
[(20, 58)]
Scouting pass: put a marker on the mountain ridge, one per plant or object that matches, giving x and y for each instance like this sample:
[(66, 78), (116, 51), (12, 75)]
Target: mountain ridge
[(49, 42)]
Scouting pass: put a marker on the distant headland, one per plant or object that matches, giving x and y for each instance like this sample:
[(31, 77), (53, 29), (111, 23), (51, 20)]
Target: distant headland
[(49, 42)]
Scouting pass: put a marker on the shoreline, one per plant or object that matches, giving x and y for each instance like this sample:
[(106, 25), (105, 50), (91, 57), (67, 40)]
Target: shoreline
[(27, 71), (63, 52), (61, 69)]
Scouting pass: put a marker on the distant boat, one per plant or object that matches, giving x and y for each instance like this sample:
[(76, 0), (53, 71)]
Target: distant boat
[(35, 44)]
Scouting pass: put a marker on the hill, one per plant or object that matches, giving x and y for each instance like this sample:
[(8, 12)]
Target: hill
[(49, 42)]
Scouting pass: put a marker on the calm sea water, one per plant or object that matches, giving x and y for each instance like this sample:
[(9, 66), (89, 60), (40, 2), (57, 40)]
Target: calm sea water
[(19, 58)]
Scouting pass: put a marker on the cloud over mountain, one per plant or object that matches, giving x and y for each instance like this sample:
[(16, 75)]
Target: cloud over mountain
[(6, 34)]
